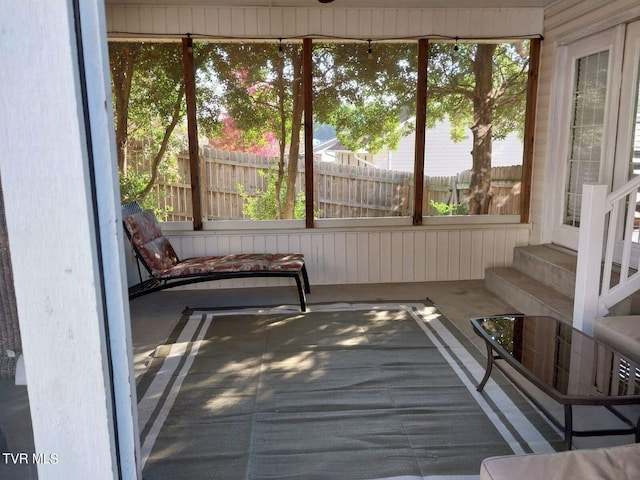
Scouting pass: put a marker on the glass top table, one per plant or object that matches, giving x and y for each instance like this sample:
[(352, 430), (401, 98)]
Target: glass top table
[(564, 363)]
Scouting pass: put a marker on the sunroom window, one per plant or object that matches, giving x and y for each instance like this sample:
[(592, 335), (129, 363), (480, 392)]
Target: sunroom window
[(253, 155), (364, 101), (475, 127), (250, 102), (150, 126)]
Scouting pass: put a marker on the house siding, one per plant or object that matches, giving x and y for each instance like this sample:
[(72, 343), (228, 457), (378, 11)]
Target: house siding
[(275, 22), (564, 22)]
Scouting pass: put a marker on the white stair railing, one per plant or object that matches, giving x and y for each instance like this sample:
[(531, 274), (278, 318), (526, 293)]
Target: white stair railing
[(606, 224)]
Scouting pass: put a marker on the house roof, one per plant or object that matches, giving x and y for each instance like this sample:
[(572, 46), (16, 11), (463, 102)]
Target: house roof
[(331, 145)]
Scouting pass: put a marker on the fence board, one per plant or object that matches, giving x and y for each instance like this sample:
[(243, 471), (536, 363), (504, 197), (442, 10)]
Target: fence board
[(341, 191)]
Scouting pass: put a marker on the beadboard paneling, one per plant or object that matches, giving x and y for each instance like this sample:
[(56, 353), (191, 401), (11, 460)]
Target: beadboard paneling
[(378, 23), (357, 256)]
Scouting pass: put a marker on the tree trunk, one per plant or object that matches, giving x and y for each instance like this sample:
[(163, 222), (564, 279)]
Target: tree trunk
[(296, 127), (157, 159), (123, 59), (482, 129), (282, 134)]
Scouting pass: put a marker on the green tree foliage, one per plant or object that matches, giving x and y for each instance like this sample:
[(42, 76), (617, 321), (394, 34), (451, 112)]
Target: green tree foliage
[(263, 205), (481, 87), (367, 96), (449, 208), (132, 183), (148, 96), (262, 93), (367, 99)]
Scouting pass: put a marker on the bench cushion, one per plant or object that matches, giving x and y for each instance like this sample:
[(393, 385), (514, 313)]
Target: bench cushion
[(241, 262), (147, 237), (619, 463)]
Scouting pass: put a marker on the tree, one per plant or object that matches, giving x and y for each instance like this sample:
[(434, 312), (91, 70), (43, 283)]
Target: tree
[(365, 98), (481, 86), (263, 94), (148, 97), (232, 139)]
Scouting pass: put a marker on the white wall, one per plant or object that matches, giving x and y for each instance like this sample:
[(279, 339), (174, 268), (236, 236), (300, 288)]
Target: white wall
[(59, 272), (263, 22), (368, 255)]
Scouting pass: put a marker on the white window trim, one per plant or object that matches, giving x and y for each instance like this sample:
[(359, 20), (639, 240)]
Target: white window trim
[(461, 221)]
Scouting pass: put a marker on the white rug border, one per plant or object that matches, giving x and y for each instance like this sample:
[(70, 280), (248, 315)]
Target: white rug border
[(172, 366)]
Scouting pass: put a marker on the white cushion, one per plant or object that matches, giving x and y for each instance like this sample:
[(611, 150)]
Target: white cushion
[(621, 333), (614, 463)]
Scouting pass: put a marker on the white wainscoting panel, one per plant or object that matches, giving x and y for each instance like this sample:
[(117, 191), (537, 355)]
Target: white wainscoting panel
[(373, 255)]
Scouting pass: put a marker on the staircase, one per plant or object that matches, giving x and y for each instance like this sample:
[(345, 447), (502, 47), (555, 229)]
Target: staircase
[(541, 281)]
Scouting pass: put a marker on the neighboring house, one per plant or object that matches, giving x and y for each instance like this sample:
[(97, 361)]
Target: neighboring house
[(334, 151), (444, 157), (57, 165)]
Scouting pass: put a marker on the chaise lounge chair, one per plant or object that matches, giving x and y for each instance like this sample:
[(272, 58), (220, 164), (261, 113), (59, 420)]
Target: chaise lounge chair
[(156, 254)]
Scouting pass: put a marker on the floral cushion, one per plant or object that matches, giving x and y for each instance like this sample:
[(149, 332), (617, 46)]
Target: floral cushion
[(147, 236), (242, 262)]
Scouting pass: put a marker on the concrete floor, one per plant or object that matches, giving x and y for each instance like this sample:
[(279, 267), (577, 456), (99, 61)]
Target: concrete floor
[(153, 317)]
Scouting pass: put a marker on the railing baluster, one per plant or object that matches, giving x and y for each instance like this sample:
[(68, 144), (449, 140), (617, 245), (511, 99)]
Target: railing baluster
[(608, 249), (627, 236)]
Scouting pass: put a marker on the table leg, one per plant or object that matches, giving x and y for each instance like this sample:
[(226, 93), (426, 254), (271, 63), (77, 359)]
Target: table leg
[(487, 372), (568, 427)]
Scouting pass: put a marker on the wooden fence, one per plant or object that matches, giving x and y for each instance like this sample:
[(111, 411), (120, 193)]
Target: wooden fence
[(341, 191)]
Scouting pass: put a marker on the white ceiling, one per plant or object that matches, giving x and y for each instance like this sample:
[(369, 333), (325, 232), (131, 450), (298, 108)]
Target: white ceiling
[(347, 3)]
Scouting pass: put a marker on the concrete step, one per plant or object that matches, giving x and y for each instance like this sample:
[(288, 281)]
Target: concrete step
[(528, 295), (542, 282), (549, 265)]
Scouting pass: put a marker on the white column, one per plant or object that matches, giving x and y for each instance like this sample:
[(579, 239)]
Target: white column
[(58, 269), (98, 84)]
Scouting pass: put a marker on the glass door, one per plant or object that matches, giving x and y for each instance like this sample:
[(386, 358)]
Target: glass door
[(587, 120), (586, 131)]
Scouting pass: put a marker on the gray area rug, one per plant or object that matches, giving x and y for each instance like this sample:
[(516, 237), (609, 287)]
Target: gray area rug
[(343, 391)]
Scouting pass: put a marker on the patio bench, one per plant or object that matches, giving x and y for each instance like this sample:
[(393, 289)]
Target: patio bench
[(156, 254)]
